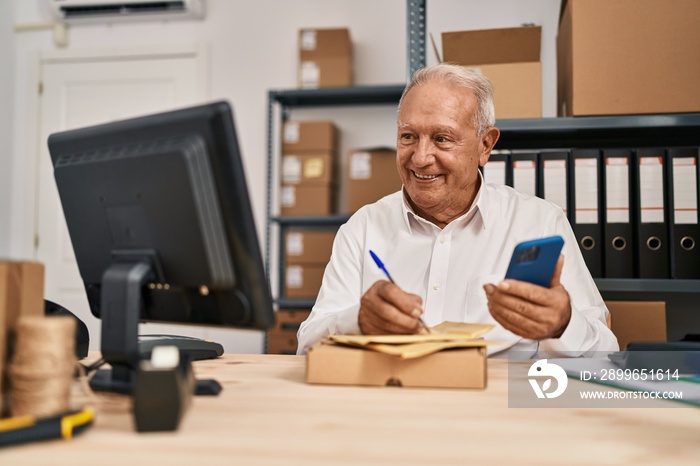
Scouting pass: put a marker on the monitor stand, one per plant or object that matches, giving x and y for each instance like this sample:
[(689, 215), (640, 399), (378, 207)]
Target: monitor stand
[(120, 311)]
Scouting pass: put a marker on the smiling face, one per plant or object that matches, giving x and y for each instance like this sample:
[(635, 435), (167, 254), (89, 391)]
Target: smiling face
[(438, 150)]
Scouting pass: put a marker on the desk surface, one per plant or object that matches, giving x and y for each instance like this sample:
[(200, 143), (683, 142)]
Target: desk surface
[(267, 414)]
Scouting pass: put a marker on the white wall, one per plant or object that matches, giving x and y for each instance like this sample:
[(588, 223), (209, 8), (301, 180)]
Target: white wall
[(253, 49), (7, 66)]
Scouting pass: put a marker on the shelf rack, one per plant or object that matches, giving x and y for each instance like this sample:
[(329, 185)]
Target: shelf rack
[(542, 133)]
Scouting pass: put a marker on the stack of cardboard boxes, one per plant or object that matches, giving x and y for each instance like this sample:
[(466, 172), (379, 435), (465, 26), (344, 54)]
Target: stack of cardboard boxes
[(306, 254), (325, 58), (308, 167)]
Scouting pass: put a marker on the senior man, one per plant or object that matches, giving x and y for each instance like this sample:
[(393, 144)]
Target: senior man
[(447, 238)]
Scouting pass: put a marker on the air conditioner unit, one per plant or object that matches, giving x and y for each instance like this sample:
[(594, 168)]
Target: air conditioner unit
[(91, 11)]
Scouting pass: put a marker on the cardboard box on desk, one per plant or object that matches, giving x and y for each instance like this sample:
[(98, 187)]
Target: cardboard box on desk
[(628, 57), (330, 363), (451, 355), (510, 58), (325, 58)]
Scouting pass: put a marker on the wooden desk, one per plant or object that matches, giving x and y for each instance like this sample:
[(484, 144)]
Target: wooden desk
[(267, 414)]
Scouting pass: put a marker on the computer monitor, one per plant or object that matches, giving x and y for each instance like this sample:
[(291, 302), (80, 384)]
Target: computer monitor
[(159, 216)]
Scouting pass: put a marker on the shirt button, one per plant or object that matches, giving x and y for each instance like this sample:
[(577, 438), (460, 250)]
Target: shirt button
[(436, 286), (442, 240)]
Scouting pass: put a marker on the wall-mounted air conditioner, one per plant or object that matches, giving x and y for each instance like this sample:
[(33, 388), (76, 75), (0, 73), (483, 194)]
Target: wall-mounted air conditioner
[(91, 11)]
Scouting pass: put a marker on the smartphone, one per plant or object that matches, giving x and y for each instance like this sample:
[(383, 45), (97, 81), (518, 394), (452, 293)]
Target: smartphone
[(534, 261)]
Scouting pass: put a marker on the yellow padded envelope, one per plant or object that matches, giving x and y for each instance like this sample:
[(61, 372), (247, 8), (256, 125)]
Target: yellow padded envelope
[(443, 336)]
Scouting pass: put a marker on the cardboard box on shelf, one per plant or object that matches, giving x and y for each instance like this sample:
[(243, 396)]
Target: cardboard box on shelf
[(281, 342), (308, 246), (303, 280), (370, 175), (510, 58), (330, 363), (282, 338), (628, 57), (288, 320), (306, 199), (637, 321), (308, 168), (325, 58), (306, 136)]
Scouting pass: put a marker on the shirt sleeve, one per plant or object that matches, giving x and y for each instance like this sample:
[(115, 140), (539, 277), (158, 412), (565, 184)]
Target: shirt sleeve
[(338, 303), (587, 331)]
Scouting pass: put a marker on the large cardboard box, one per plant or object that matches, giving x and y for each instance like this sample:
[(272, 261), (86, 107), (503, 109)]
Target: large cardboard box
[(308, 246), (637, 321), (510, 58), (329, 363), (306, 199), (21, 294), (307, 136), (303, 280), (370, 175), (325, 58), (628, 57)]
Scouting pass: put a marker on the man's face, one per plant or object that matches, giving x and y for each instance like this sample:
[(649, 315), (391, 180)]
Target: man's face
[(438, 151)]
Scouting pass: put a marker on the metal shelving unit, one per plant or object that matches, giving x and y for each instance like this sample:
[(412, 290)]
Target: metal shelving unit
[(543, 133), (289, 99)]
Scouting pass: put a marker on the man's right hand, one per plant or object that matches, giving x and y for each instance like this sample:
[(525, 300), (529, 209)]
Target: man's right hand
[(386, 309)]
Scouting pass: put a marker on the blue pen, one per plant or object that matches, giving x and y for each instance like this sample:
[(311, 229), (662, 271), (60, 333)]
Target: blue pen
[(381, 266)]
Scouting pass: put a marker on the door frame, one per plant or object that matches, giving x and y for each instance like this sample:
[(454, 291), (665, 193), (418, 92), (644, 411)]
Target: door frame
[(25, 209)]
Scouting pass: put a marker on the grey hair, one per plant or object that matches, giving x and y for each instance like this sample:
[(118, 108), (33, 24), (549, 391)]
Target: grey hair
[(469, 79)]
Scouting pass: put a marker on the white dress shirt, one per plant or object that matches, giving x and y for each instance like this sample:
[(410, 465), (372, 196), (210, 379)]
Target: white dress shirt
[(448, 267)]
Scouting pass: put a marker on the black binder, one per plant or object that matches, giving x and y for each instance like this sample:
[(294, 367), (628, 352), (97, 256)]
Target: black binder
[(652, 214), (553, 178), (524, 169), (585, 182), (497, 170), (618, 194), (684, 198)]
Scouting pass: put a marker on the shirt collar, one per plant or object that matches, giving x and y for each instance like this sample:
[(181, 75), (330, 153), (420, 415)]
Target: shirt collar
[(478, 207)]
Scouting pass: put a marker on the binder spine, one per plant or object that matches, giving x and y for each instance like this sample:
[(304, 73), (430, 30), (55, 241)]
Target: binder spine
[(553, 179), (585, 191), (653, 213), (498, 170), (619, 248), (524, 170), (684, 226)]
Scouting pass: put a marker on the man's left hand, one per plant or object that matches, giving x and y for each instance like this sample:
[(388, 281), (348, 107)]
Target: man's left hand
[(531, 311)]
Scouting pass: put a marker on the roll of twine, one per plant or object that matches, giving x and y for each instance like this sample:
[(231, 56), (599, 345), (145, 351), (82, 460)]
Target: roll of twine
[(42, 367)]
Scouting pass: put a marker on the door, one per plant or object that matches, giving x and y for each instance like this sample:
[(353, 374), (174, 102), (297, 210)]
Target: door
[(81, 89)]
